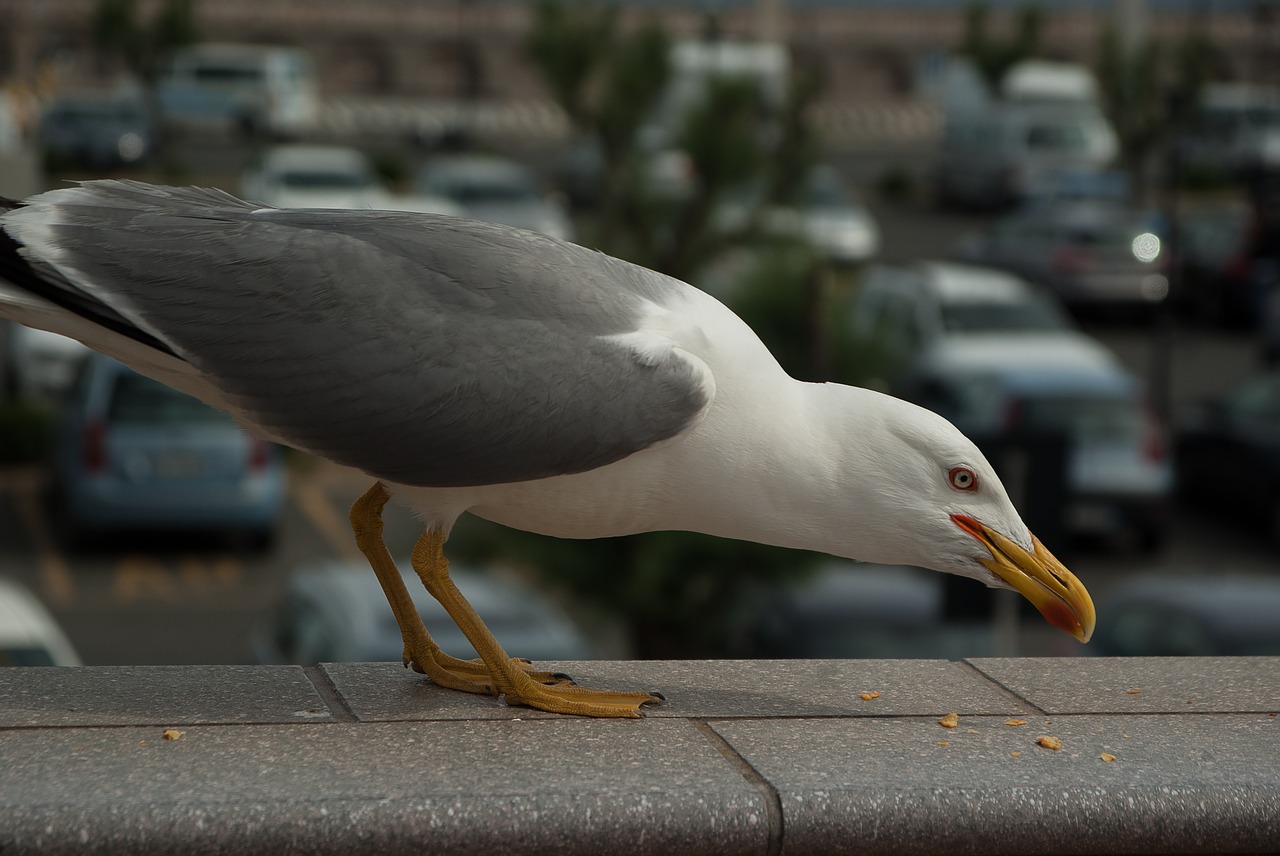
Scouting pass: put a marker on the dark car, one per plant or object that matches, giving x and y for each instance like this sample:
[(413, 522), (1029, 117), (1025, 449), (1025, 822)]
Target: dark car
[(1228, 454), (1092, 255), (97, 132), (1191, 616)]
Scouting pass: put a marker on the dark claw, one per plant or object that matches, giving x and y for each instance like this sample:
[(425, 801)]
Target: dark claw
[(561, 676), (659, 696), (524, 660)]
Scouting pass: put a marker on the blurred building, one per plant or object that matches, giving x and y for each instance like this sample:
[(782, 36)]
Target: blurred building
[(871, 49)]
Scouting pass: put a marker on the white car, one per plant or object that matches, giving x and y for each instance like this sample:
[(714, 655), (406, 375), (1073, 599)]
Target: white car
[(306, 176), (29, 635), (497, 190), (900, 309), (827, 215), (336, 612)]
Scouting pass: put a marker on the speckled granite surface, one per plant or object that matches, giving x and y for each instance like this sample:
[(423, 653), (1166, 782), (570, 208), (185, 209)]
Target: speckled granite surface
[(1156, 756)]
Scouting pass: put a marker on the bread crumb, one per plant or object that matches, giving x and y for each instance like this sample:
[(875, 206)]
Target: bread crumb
[(869, 696), (1049, 742), (943, 743), (1016, 754), (951, 720), (1107, 756), (1135, 692), (173, 734), (1015, 722)]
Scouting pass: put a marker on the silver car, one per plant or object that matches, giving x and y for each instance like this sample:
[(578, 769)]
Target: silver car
[(495, 189), (336, 612)]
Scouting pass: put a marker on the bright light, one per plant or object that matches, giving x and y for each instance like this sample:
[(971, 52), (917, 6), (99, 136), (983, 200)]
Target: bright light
[(1146, 247)]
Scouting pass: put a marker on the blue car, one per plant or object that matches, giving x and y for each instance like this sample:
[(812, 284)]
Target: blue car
[(134, 455)]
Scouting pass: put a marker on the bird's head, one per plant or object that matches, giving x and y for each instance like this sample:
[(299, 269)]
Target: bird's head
[(944, 508)]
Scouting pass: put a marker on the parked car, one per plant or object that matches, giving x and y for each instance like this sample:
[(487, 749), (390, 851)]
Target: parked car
[(1118, 473), (336, 612), (1208, 614), (1006, 153), (1092, 255), (29, 635), (97, 131), (902, 309), (133, 454), (40, 365), (1228, 453), (827, 215), (240, 88), (1234, 130), (492, 188), (309, 176), (1217, 286)]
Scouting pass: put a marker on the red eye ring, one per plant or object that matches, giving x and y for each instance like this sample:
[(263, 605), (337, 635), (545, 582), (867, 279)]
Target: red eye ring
[(962, 478)]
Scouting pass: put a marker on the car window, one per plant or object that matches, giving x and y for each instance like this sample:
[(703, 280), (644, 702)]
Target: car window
[(974, 317), (302, 179), (138, 400)]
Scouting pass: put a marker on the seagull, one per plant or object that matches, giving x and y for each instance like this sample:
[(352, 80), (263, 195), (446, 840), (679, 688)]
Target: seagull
[(468, 367)]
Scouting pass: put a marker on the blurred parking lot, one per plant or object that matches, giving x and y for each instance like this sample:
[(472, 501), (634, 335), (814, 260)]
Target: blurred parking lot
[(1171, 302)]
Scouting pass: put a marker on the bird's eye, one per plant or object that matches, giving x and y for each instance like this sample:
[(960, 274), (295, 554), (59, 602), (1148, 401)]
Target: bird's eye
[(963, 478)]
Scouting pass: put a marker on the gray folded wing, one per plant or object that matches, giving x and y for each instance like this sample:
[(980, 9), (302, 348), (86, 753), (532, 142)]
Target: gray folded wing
[(423, 350)]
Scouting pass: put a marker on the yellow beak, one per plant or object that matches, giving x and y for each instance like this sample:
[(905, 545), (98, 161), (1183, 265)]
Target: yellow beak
[(1038, 576)]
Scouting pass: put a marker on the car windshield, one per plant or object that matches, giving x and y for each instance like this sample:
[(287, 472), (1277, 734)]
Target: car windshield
[(995, 317), (472, 191), (1094, 416), (1064, 137), (215, 75), (138, 400), (304, 179)]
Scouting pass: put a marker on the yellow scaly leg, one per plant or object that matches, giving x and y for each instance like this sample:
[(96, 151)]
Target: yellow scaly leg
[(509, 679), (420, 650)]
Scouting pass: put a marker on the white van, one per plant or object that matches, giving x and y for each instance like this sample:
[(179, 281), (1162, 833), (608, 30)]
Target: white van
[(249, 89), (1011, 152), (1235, 129)]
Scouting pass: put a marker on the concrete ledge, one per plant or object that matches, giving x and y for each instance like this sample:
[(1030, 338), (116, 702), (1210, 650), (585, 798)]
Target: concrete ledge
[(745, 757)]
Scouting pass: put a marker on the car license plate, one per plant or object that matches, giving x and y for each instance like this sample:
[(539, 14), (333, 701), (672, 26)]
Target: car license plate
[(176, 465)]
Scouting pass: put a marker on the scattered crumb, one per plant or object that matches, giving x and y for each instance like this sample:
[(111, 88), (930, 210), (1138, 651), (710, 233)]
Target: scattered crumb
[(1107, 756), (1191, 701), (1049, 742), (1016, 754), (869, 696), (944, 743), (951, 720), (1016, 722), (1135, 692), (173, 734), (142, 744)]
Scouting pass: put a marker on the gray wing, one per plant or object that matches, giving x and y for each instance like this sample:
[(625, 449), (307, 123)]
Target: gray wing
[(422, 350)]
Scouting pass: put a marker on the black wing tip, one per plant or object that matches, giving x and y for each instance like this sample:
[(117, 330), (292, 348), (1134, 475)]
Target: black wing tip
[(7, 204)]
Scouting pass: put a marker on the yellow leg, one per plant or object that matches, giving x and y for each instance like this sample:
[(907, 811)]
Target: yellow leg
[(420, 650), (508, 678)]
